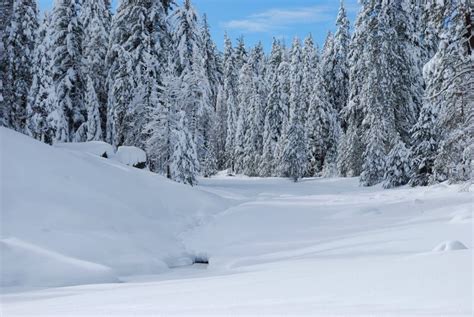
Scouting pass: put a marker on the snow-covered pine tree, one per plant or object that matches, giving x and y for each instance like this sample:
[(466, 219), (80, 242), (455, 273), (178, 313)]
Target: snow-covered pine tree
[(379, 99), (209, 166), (230, 82), (5, 13), (135, 60), (241, 55), (244, 151), (350, 154), (322, 130), (221, 129), (159, 146), (310, 67), (96, 20), (257, 61), (283, 110), (398, 165), (424, 148), (451, 90), (196, 91), (273, 112), (90, 130), (39, 100), (373, 169), (327, 66), (18, 42), (211, 60), (184, 164), (67, 68), (340, 60), (294, 156)]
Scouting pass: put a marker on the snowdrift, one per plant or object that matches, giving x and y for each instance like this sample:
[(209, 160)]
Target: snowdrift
[(69, 217)]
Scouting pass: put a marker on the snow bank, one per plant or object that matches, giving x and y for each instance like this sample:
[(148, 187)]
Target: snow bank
[(24, 263), (87, 208), (98, 148), (131, 156), (449, 246)]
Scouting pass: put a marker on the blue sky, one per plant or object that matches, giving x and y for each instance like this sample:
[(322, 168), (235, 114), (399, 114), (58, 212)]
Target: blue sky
[(261, 20)]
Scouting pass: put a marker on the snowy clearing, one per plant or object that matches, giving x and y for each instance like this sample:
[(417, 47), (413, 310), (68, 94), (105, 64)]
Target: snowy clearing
[(321, 247)]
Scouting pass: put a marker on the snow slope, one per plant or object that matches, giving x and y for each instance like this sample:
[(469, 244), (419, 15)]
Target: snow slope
[(80, 213), (321, 247)]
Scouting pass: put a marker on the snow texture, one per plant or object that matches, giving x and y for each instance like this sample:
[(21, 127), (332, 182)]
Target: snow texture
[(130, 155), (320, 247)]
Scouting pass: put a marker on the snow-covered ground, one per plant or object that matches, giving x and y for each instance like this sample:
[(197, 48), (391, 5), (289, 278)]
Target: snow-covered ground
[(321, 247)]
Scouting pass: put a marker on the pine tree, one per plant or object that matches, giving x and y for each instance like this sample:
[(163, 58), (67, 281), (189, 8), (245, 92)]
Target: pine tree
[(135, 60), (221, 130), (184, 164), (351, 148), (91, 130), (96, 20), (322, 129), (241, 55), (18, 42), (294, 157), (398, 166), (211, 61), (273, 112), (6, 7), (39, 100), (230, 99), (424, 148), (327, 66), (162, 123), (451, 90), (196, 93), (310, 67), (340, 60), (67, 68), (243, 138)]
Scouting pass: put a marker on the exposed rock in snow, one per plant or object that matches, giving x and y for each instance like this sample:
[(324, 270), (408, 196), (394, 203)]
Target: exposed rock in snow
[(449, 246), (131, 156)]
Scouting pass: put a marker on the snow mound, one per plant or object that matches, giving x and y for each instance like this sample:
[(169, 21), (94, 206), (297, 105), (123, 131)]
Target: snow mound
[(98, 148), (94, 210), (462, 216), (131, 156), (27, 264), (450, 246)]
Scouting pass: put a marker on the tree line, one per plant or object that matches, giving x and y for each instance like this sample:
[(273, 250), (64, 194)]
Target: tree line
[(390, 101)]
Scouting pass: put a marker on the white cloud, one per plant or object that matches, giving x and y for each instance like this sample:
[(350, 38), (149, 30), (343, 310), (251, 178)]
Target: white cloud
[(275, 19)]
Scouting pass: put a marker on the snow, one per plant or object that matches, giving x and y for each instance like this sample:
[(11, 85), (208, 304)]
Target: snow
[(130, 155), (97, 148), (450, 246), (64, 205), (320, 247), (28, 264)]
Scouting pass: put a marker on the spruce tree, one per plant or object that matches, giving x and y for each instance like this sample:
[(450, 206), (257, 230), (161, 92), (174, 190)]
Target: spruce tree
[(273, 112), (340, 60), (91, 130), (294, 157), (398, 165), (39, 98), (18, 42), (96, 20), (135, 60), (230, 81), (451, 90), (184, 164), (67, 69)]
